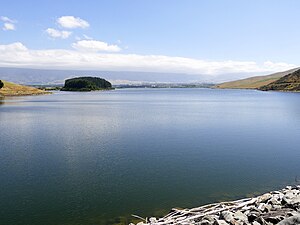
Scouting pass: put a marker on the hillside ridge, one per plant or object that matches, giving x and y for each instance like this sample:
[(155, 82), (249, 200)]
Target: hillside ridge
[(290, 82), (254, 82), (12, 89)]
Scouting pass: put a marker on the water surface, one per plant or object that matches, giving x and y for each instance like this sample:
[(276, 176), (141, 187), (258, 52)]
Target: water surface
[(95, 158)]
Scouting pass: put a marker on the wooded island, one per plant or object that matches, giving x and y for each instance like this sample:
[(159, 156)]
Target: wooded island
[(86, 84)]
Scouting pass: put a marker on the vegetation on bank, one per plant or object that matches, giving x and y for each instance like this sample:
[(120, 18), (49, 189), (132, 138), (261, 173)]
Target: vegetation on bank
[(1, 84), (254, 82), (290, 82), (86, 84), (12, 89)]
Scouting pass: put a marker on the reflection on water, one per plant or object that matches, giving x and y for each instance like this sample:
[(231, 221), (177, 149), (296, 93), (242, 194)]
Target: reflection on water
[(96, 158), (1, 100)]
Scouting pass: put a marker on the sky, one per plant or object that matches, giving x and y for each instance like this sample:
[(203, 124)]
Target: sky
[(210, 37)]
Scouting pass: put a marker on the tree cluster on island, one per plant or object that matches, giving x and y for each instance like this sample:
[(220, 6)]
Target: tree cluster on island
[(1, 84), (86, 84)]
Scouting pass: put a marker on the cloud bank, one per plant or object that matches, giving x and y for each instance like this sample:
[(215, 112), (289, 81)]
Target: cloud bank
[(18, 55)]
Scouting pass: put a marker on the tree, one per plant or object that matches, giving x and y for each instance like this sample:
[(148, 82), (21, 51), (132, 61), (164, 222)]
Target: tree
[(1, 84), (86, 84)]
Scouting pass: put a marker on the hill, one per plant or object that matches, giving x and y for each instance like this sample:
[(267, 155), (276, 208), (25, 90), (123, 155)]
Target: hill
[(57, 77), (12, 89), (86, 84), (254, 82), (290, 82)]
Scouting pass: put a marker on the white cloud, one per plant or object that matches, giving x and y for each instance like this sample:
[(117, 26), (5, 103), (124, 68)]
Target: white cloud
[(95, 46), (71, 22), (17, 55), (57, 33), (87, 37), (6, 19), (9, 26)]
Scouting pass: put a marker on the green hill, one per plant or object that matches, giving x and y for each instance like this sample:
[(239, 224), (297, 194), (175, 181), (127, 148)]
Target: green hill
[(12, 89), (290, 82), (86, 84), (254, 82)]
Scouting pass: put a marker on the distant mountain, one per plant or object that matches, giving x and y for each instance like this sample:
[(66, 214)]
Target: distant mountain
[(254, 82), (57, 77), (12, 89), (290, 82)]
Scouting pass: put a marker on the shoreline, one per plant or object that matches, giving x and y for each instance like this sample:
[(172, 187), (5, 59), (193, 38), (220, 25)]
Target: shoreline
[(256, 89), (276, 207), (29, 94), (14, 90)]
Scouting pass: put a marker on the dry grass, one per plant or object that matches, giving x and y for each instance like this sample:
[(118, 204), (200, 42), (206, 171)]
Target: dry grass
[(12, 89), (254, 82), (249, 83)]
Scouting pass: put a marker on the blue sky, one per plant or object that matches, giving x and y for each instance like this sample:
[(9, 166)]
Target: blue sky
[(191, 36)]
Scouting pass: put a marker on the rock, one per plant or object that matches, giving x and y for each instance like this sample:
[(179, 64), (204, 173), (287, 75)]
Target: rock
[(273, 201), (274, 220), (268, 207), (293, 213), (210, 218), (261, 207), (240, 216), (246, 213), (290, 194), (227, 216), (220, 222), (285, 201), (295, 200), (264, 198), (261, 221), (153, 220), (293, 203), (278, 207), (293, 220), (253, 215), (205, 222), (255, 223)]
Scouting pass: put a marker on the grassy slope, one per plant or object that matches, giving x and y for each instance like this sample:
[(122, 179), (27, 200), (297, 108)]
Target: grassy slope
[(254, 82), (12, 89), (290, 82)]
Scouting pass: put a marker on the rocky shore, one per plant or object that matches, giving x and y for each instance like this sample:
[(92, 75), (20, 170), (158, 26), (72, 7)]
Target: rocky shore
[(276, 207)]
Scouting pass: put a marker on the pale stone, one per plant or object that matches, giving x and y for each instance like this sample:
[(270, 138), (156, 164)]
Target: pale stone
[(240, 216), (220, 222)]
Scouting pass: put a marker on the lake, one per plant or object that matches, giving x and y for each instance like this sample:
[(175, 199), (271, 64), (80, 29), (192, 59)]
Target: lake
[(96, 158)]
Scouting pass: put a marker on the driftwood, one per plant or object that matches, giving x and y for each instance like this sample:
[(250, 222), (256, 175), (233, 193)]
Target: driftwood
[(270, 208)]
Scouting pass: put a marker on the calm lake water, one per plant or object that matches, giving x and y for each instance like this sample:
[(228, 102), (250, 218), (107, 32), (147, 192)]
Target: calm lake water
[(95, 158)]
